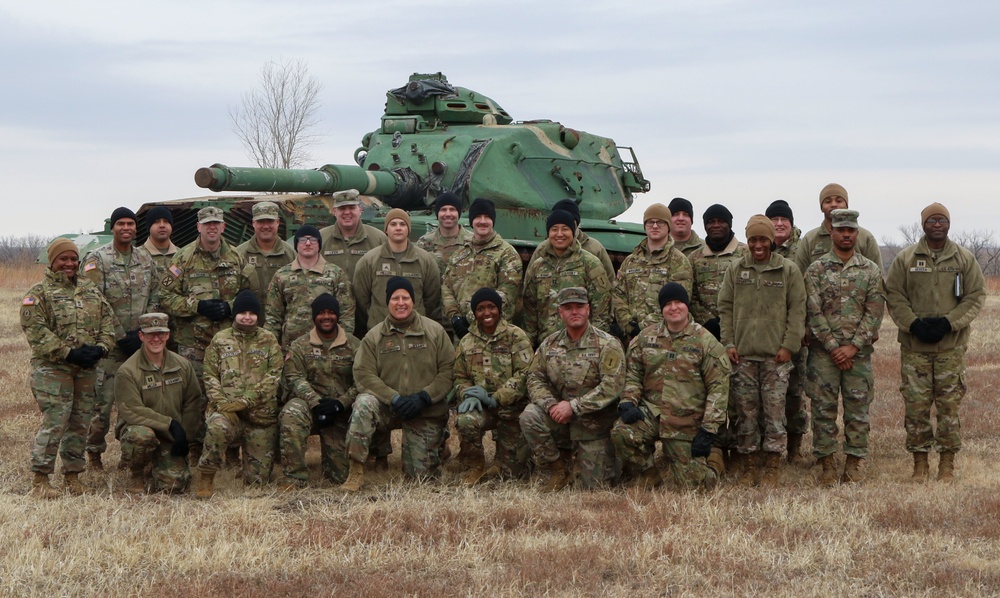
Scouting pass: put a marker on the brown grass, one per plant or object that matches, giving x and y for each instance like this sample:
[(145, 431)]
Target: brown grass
[(883, 537)]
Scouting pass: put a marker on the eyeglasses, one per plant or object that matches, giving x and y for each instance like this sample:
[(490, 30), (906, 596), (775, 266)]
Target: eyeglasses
[(656, 223), (939, 220), (308, 240)]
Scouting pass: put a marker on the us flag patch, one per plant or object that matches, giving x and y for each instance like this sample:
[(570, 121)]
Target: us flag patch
[(89, 267), (29, 300), (175, 270)]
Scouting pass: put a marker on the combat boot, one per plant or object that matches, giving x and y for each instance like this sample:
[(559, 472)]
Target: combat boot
[(475, 467), (946, 468), (73, 484), (355, 477), (206, 485), (95, 462), (829, 476), (555, 476), (649, 479), (716, 462), (772, 470), (920, 468), (748, 467), (794, 456), (852, 470), (41, 488), (137, 481)]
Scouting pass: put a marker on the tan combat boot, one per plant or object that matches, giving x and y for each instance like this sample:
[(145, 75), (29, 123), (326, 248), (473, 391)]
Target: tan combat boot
[(746, 467), (355, 477), (772, 470), (716, 462), (829, 476), (946, 468), (920, 468), (555, 476), (476, 467), (794, 447), (41, 488), (852, 470), (95, 462), (73, 484), (206, 485), (137, 481)]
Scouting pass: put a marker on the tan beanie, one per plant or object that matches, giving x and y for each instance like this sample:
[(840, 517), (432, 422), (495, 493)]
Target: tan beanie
[(934, 208), (60, 245), (396, 213), (657, 211), (832, 189), (760, 226)]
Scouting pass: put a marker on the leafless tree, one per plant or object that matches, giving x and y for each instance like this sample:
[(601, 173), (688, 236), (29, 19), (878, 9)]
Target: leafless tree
[(911, 232), (275, 121)]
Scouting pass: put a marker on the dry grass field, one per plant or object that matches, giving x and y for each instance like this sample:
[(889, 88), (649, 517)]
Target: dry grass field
[(883, 537)]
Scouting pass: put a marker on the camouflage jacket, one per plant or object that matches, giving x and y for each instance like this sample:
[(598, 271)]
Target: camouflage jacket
[(494, 264), (679, 376), (844, 302), (379, 265), (550, 274), (58, 315), (589, 373), (314, 370), (789, 248), (762, 307), (131, 284), (640, 278), (591, 246), (709, 268), (260, 267), (151, 396), (922, 283), (499, 363), (818, 242), (292, 291), (244, 367), (441, 247), (345, 252), (694, 244), (161, 259)]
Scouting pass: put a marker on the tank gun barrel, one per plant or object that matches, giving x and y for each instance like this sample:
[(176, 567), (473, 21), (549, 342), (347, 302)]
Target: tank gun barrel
[(327, 179)]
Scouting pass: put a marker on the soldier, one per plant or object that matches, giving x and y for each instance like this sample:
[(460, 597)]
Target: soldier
[(130, 282), (652, 264), (817, 242), (295, 286), (682, 217), (491, 365), (160, 225), (69, 326), (264, 253), (574, 382), (318, 373), (242, 370), (562, 264), (762, 308), (844, 304), (710, 265), (450, 235), (934, 290), (396, 257), (403, 371), (680, 401), (346, 240), (588, 244), (159, 402), (484, 261)]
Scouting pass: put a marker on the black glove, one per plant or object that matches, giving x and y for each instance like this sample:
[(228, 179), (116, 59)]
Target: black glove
[(939, 327), (714, 327), (410, 406), (702, 444), (326, 411), (77, 356), (93, 354), (214, 309), (629, 412), (130, 344), (180, 446), (616, 330), (922, 330), (460, 325), (633, 329)]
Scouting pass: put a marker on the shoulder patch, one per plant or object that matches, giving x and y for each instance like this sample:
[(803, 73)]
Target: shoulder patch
[(611, 361), (28, 300), (90, 266), (175, 270)]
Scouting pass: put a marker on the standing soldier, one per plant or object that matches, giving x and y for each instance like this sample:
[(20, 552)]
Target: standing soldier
[(710, 265), (318, 373), (574, 382), (450, 235), (817, 242), (159, 401), (160, 225), (491, 365), (587, 243), (844, 304), (762, 308), (264, 253), (682, 218), (130, 282), (69, 326), (934, 290), (484, 261), (679, 400), (652, 264), (347, 239)]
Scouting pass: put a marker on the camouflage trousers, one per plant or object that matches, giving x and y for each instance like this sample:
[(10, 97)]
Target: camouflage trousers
[(796, 409), (104, 399), (595, 457), (635, 444), (259, 444), (296, 425), (197, 358), (65, 397), (933, 380), (512, 451), (423, 437), (141, 446), (757, 389), (856, 386)]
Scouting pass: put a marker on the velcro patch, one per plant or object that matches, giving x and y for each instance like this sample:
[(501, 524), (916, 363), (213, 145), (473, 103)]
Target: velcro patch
[(89, 267), (611, 362), (176, 271), (28, 300)]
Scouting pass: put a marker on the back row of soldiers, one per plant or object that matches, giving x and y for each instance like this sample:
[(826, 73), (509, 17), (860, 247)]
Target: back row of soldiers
[(759, 317)]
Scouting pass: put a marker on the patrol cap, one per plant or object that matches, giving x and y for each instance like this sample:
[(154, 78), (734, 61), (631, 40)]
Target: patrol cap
[(210, 214), (265, 210), (154, 322), (350, 197), (573, 295), (844, 218)]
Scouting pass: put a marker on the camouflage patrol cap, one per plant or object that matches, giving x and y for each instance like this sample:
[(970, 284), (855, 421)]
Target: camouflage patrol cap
[(154, 322), (573, 295), (844, 218), (265, 210), (210, 214), (350, 197)]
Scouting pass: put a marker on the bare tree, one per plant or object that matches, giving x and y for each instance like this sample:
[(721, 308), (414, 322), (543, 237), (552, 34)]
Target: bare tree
[(911, 232), (275, 120)]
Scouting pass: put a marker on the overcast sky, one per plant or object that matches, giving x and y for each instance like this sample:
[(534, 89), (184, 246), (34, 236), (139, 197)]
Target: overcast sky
[(733, 102)]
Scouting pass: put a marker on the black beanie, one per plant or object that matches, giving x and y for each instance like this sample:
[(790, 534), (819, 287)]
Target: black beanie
[(447, 198), (673, 292), (486, 294), (246, 301), (718, 211), (395, 283), (779, 207), (156, 213), (308, 230), (120, 213), (482, 206), (560, 217), (325, 301), (570, 206), (679, 204)]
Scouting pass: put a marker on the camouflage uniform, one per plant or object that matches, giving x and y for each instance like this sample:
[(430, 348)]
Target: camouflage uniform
[(442, 247), (762, 309), (56, 317), (796, 411), (403, 359), (591, 246), (693, 245), (818, 242), (492, 264), (590, 374), (680, 381), (499, 363), (844, 304), (376, 268), (148, 398), (709, 269), (242, 367), (316, 369), (162, 259), (640, 278), (292, 291), (550, 274), (921, 283), (346, 251), (261, 267)]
